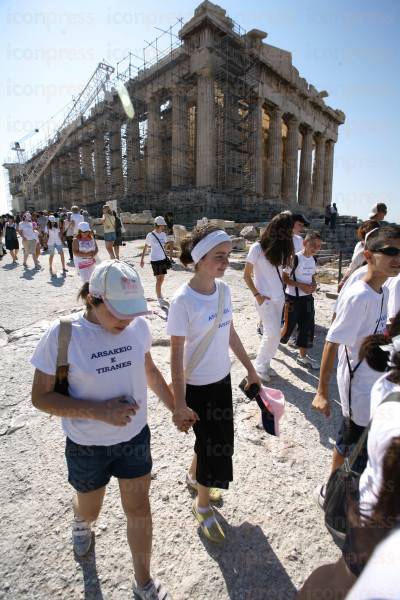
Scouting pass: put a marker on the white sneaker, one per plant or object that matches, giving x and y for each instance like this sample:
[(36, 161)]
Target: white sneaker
[(319, 495), (153, 590), (307, 361), (292, 342), (81, 537)]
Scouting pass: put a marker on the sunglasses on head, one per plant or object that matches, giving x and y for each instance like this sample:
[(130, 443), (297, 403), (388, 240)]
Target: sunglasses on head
[(389, 251)]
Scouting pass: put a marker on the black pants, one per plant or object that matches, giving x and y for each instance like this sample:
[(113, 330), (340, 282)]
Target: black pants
[(70, 239), (300, 311), (214, 431)]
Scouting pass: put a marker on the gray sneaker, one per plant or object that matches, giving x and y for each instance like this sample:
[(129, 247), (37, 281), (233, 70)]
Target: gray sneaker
[(81, 537), (153, 590), (319, 495), (307, 361)]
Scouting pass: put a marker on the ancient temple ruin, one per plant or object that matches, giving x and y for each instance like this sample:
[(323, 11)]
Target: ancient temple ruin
[(224, 126)]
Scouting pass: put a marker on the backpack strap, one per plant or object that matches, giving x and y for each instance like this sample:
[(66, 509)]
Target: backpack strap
[(64, 338)]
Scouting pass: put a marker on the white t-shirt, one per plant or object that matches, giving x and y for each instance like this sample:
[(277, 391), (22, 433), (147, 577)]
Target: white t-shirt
[(266, 278), (358, 313), (355, 276), (156, 250), (54, 237), (303, 273), (76, 218), (191, 315), (358, 258), (26, 228), (102, 366), (393, 285), (385, 426), (380, 580), (298, 243)]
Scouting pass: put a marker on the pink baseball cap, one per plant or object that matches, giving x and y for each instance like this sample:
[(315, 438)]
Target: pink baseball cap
[(120, 288)]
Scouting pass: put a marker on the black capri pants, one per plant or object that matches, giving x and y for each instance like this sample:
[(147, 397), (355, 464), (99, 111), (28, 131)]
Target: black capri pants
[(214, 431), (299, 310)]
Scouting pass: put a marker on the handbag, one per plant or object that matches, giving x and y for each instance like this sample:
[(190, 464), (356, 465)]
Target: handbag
[(349, 431), (344, 482), (167, 260), (62, 366)]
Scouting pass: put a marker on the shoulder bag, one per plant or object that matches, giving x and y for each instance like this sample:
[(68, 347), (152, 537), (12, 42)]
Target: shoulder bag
[(167, 260)]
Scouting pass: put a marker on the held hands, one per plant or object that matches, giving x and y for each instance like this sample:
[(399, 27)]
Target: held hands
[(321, 403), (117, 411), (184, 418)]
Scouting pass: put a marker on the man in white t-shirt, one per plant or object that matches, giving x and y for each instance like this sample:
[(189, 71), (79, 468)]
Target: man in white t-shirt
[(361, 311), (29, 239), (76, 218), (160, 263)]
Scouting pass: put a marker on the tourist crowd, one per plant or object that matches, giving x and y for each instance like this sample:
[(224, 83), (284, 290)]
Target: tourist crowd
[(107, 351)]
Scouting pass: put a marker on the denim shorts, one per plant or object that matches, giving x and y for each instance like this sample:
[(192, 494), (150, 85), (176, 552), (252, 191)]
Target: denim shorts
[(110, 237), (58, 247), (91, 467)]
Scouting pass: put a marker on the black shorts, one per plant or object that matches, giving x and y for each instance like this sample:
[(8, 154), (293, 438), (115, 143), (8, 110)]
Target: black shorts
[(159, 267), (214, 431), (299, 310), (91, 467)]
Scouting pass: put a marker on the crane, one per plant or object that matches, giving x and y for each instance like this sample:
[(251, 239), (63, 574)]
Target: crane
[(83, 102)]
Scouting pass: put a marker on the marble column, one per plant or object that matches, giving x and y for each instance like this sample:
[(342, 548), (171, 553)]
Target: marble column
[(65, 199), (56, 183), (75, 176), (154, 157), (257, 145), (328, 172), (318, 172), (290, 161), (117, 183), (274, 155), (305, 167), (180, 139), (88, 188), (205, 132), (233, 154), (133, 162), (100, 173)]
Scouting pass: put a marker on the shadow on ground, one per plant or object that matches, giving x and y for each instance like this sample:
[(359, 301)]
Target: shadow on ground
[(92, 587), (250, 567)]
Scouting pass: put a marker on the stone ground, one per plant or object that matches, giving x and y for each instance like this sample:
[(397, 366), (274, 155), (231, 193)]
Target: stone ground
[(275, 533)]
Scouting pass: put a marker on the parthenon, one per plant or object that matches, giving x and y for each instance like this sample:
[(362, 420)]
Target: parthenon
[(224, 126)]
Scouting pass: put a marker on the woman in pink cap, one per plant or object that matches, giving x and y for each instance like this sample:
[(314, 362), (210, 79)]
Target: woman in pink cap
[(84, 250)]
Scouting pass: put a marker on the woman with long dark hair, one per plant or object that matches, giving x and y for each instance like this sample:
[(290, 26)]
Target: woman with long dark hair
[(264, 277)]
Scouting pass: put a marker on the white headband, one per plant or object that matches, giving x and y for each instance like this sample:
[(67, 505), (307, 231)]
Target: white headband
[(208, 243)]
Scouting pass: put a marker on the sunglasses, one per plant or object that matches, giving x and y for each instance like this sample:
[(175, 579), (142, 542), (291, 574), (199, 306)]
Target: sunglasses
[(388, 251)]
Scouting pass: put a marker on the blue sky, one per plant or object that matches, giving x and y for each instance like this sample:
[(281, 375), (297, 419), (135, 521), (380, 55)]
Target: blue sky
[(350, 48)]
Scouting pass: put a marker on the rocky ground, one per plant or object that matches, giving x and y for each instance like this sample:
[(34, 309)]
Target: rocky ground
[(275, 533)]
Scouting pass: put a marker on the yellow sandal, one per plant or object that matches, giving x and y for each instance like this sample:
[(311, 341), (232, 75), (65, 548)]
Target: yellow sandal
[(209, 525), (215, 493)]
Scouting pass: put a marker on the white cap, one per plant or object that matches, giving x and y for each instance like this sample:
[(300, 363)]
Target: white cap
[(159, 221), (120, 288), (52, 219), (83, 226)]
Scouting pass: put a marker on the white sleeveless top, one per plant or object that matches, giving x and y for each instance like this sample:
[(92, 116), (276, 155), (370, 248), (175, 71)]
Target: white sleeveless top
[(85, 246)]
